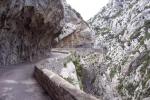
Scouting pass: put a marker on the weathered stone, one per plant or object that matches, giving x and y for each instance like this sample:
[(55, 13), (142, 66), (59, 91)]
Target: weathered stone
[(27, 28), (122, 31), (76, 32), (58, 88)]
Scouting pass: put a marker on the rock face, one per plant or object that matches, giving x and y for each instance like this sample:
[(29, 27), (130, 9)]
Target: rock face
[(58, 88), (27, 28), (76, 32), (123, 32)]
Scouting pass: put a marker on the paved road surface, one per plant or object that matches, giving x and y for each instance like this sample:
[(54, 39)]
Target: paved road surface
[(17, 83)]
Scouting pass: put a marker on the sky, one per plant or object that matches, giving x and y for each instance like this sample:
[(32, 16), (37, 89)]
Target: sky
[(87, 8)]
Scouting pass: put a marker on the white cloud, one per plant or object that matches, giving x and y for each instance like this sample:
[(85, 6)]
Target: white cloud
[(87, 8)]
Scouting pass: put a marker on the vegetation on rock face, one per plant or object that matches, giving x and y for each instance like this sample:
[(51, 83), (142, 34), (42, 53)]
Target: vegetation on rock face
[(133, 88), (76, 61), (120, 87), (27, 28), (128, 43), (102, 31), (113, 71), (78, 66), (130, 88), (78, 70)]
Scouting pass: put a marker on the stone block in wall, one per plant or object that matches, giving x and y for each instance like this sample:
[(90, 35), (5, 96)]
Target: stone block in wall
[(58, 88)]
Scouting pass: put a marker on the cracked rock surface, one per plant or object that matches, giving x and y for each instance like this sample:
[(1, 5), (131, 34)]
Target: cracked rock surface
[(27, 28), (123, 32)]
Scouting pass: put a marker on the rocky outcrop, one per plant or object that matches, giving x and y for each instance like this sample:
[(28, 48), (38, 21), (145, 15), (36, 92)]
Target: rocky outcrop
[(123, 31), (27, 28), (76, 32)]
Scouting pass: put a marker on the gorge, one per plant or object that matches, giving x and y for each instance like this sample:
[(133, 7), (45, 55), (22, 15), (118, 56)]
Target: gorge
[(107, 57)]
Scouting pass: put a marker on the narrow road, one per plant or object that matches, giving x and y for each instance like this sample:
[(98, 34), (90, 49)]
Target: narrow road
[(17, 82)]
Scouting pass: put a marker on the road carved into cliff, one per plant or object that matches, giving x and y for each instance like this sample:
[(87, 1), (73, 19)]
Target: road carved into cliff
[(17, 82)]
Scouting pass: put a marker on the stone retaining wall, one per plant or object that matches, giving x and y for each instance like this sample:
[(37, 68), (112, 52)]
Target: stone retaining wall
[(58, 88)]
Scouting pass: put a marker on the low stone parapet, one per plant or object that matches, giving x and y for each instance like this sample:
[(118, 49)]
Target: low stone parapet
[(58, 88)]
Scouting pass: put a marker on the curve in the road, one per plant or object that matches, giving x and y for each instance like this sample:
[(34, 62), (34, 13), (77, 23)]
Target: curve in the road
[(17, 82)]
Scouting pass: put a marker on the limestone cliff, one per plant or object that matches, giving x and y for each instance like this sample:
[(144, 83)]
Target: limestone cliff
[(29, 28), (75, 32), (123, 32)]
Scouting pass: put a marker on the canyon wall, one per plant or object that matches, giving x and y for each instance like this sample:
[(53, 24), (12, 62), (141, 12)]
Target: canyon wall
[(76, 32), (123, 32), (27, 28), (30, 28)]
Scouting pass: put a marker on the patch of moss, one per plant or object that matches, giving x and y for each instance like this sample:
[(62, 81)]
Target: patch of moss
[(147, 23), (146, 62), (102, 31), (131, 88), (142, 39), (148, 74), (146, 90), (113, 71), (146, 78), (120, 87), (81, 85), (76, 61), (143, 68), (147, 35), (78, 66)]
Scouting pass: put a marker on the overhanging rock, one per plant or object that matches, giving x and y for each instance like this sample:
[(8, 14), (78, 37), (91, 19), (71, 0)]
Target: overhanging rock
[(27, 28)]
